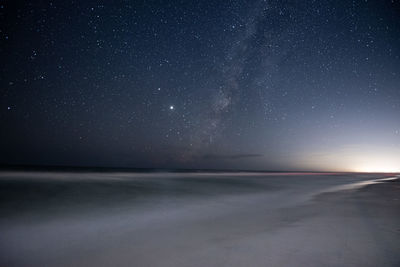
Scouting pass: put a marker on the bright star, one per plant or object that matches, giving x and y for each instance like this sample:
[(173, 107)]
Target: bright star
[(171, 107)]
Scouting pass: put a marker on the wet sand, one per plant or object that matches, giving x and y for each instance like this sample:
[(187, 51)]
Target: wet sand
[(201, 220)]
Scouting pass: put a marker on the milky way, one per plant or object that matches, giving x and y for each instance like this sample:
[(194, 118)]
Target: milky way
[(205, 84)]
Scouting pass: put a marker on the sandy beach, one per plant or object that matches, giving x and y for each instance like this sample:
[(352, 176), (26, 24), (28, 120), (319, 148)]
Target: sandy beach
[(237, 219)]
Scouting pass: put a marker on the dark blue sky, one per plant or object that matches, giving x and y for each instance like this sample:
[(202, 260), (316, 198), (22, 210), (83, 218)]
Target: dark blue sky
[(282, 85)]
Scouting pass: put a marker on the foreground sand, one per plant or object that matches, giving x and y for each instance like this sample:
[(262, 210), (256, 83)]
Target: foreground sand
[(302, 225)]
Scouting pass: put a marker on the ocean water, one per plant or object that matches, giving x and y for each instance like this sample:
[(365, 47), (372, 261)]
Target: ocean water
[(143, 219)]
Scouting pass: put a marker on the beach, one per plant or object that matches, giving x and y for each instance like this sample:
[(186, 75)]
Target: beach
[(199, 219)]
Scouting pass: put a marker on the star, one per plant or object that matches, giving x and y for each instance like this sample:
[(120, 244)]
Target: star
[(249, 85)]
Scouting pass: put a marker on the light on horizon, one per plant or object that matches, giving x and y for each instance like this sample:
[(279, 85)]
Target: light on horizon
[(377, 168), (369, 159), (378, 162)]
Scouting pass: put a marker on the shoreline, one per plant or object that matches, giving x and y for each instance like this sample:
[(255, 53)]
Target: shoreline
[(293, 223)]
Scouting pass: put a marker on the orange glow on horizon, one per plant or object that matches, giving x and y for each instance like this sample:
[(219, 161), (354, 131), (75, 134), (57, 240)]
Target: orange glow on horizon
[(368, 159)]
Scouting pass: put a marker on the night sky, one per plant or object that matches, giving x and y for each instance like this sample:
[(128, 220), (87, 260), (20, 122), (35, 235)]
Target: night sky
[(261, 85)]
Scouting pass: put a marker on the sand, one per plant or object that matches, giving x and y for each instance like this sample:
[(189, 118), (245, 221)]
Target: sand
[(249, 220)]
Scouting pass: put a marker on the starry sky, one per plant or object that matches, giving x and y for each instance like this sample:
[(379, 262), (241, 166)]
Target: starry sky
[(257, 85)]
